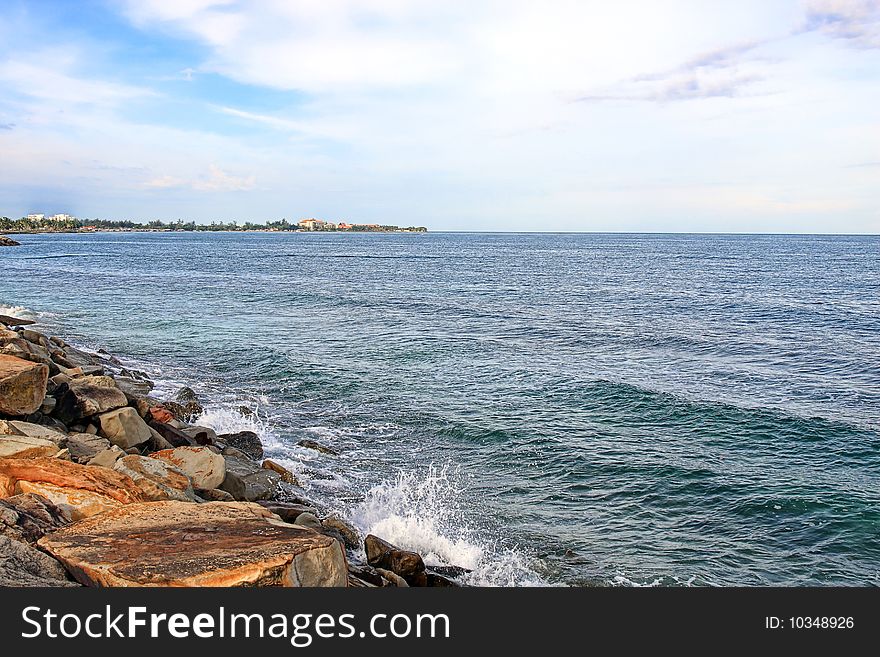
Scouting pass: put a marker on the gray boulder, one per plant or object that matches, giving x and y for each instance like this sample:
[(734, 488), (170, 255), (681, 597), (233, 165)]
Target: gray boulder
[(87, 396), (23, 565), (246, 441), (247, 481)]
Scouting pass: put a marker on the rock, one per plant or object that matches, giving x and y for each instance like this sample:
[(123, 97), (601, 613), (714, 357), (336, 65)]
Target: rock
[(87, 396), (173, 436), (25, 447), (91, 428), (439, 580), (158, 414), (78, 490), (48, 405), (215, 495), (7, 241), (187, 412), (84, 446), (392, 577), (79, 358), (185, 395), (247, 481), (23, 565), (246, 411), (309, 520), (31, 430), (157, 442), (158, 479), (286, 475), (133, 389), (318, 447), (123, 427), (409, 565), (15, 321), (106, 458), (349, 534), (201, 435), (367, 574), (236, 453), (449, 571), (211, 544), (247, 441), (28, 517), (22, 385), (205, 468), (287, 511)]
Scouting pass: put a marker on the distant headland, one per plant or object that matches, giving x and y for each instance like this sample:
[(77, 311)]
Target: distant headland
[(65, 223)]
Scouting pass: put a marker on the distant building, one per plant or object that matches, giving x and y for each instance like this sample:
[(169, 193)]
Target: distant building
[(36, 217), (62, 217), (343, 226), (312, 224)]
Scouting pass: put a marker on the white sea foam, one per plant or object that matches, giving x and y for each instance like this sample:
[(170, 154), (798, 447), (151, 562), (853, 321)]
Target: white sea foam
[(421, 513)]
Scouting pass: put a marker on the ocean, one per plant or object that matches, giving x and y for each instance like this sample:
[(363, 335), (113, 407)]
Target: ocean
[(544, 409)]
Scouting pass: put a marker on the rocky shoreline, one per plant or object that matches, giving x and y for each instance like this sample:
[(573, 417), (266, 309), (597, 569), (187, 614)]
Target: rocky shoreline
[(102, 484)]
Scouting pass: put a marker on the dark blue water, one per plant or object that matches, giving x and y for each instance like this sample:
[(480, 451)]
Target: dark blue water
[(544, 408)]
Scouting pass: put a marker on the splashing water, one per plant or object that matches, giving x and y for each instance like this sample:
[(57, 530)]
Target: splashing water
[(422, 514)]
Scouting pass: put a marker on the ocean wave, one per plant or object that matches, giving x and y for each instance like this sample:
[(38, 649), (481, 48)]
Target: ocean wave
[(421, 512)]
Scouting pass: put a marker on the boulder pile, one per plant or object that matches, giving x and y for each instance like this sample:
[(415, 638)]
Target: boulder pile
[(103, 485)]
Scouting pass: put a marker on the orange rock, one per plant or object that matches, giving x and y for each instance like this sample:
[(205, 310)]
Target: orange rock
[(79, 490), (160, 414), (182, 544)]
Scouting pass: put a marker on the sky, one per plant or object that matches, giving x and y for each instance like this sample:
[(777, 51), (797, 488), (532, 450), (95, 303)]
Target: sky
[(558, 115)]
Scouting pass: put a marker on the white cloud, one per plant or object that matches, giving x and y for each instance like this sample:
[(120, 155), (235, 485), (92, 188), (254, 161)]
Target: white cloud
[(856, 22), (216, 180)]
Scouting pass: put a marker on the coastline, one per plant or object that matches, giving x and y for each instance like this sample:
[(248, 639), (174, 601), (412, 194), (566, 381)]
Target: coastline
[(86, 451)]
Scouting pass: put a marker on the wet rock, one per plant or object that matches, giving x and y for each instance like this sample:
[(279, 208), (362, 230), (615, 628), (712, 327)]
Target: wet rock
[(287, 511), (123, 427), (28, 517), (85, 446), (246, 441), (393, 578), (78, 490), (87, 396), (48, 405), (367, 574), (15, 321), (201, 435), (184, 411), (346, 532), (246, 411), (409, 565), (23, 565), (318, 447), (286, 475), (449, 571), (211, 544), (156, 413), (22, 385), (25, 447), (309, 520), (106, 458), (439, 580), (158, 479), (133, 389), (205, 468), (247, 481)]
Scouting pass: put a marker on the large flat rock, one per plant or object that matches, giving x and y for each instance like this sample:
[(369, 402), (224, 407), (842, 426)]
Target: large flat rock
[(22, 385), (78, 490), (182, 544)]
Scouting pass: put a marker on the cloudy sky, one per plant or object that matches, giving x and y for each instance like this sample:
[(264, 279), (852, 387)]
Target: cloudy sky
[(680, 115)]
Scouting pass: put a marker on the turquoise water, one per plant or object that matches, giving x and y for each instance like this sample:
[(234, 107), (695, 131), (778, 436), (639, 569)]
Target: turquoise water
[(543, 408)]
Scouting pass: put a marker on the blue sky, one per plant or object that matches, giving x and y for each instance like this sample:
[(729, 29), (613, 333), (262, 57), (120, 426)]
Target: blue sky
[(677, 115)]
